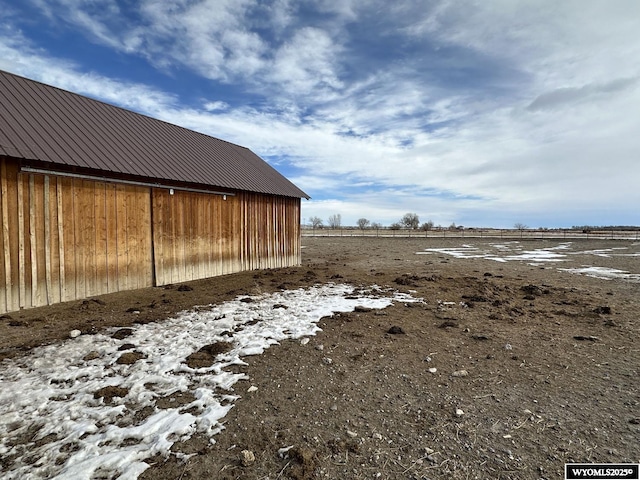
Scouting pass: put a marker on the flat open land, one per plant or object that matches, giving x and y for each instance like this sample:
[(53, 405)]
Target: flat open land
[(521, 357)]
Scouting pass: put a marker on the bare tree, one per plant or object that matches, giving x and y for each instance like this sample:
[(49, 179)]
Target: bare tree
[(335, 221), (395, 226), (410, 220), (520, 226), (376, 226), (316, 222), (363, 223), (426, 226)]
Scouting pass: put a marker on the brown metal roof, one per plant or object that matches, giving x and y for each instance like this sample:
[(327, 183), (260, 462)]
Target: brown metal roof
[(63, 130)]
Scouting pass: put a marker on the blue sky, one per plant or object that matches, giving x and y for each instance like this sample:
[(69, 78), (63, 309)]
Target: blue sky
[(474, 113)]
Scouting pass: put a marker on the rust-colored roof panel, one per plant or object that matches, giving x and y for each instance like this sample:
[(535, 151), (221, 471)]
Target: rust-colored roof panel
[(47, 124)]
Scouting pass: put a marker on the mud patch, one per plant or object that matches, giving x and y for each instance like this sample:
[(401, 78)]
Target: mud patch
[(129, 358), (206, 356), (108, 393)]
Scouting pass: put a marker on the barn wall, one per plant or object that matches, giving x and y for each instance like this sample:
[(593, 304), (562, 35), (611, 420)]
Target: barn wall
[(68, 238), (198, 235), (271, 231)]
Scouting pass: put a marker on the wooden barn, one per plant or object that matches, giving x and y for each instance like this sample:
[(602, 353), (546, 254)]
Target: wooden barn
[(97, 199)]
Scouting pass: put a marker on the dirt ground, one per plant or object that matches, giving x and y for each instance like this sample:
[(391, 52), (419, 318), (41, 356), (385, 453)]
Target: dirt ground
[(506, 371)]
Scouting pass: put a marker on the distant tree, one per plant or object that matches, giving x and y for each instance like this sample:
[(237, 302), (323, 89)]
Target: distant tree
[(316, 222), (520, 226), (426, 226), (363, 223), (395, 226), (410, 220), (452, 226), (376, 226), (335, 221)]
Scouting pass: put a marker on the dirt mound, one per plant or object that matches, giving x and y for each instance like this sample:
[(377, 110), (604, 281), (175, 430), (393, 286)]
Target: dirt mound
[(205, 357)]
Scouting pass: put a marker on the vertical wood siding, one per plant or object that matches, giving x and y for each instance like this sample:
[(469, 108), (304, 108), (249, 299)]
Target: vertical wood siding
[(196, 235), (67, 239)]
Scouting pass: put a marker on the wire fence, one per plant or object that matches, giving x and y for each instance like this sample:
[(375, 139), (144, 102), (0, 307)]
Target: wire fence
[(489, 233)]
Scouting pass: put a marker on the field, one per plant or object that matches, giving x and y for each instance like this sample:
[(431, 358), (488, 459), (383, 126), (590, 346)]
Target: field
[(496, 359)]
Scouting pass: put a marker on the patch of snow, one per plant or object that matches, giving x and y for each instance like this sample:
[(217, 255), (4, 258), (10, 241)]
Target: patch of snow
[(603, 273), (55, 424), (512, 251)]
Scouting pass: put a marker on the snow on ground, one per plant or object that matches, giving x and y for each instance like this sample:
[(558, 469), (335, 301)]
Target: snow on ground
[(504, 252), (52, 425), (603, 273), (513, 251)]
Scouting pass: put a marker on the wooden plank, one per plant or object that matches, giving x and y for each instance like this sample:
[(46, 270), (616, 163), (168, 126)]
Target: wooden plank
[(201, 224), (199, 228), (192, 227), (189, 244), (121, 238), (21, 243), (172, 249), (187, 236), (242, 220), (132, 238), (14, 207), (224, 241), (269, 232), (81, 251), (246, 226), (134, 232), (111, 237), (237, 233), (54, 244), (6, 302), (145, 240), (297, 238), (192, 255), (180, 237), (39, 281), (254, 251), (100, 230), (47, 242), (89, 238), (67, 234), (208, 236), (164, 234), (170, 234), (157, 215), (216, 237)]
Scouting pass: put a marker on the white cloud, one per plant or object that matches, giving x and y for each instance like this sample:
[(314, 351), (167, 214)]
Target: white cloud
[(510, 107), (213, 106)]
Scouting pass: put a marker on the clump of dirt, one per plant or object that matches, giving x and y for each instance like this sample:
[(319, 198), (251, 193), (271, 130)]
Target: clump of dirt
[(396, 330), (93, 355), (602, 310), (122, 333), (305, 464), (533, 290), (206, 356), (107, 393), (129, 358)]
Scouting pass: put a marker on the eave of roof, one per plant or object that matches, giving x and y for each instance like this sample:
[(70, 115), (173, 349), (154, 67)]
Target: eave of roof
[(47, 125)]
